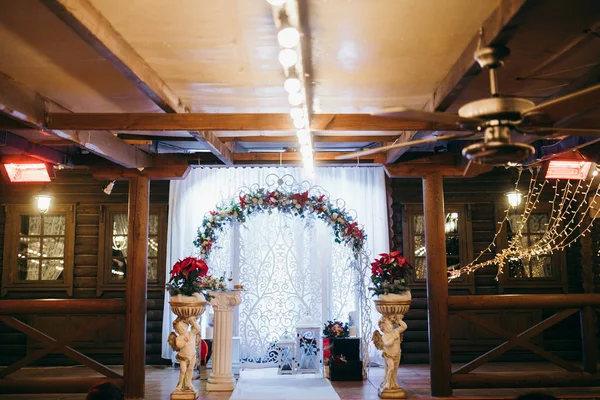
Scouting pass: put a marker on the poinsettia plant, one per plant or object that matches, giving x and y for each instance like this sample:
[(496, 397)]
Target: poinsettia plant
[(390, 274), (187, 277), (335, 329)]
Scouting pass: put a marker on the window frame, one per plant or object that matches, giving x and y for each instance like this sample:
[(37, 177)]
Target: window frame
[(465, 242), (558, 261), (10, 283), (105, 245)]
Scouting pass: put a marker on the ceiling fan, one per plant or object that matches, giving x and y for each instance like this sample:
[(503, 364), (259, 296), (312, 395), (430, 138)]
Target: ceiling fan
[(496, 117)]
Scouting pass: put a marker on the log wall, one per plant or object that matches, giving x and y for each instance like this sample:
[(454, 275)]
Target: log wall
[(484, 196), (78, 187)]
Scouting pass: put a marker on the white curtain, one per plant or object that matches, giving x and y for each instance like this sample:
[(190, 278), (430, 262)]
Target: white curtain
[(362, 188)]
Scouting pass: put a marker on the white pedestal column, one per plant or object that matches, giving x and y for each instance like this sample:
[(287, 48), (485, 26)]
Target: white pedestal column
[(221, 379)]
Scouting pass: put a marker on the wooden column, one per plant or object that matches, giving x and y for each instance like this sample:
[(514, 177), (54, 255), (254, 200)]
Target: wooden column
[(437, 285), (587, 316), (134, 371)]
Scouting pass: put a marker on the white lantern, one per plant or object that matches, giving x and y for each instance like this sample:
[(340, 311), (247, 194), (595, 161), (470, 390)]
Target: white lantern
[(286, 352), (309, 354)]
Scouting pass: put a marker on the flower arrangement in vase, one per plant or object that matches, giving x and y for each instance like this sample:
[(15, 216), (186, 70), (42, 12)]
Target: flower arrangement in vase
[(336, 329), (390, 274), (189, 278)]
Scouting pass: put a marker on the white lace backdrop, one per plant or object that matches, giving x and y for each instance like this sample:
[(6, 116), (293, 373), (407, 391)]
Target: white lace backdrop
[(288, 265)]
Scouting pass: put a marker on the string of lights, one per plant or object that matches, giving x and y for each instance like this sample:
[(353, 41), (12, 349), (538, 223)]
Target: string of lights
[(566, 223), (287, 22)]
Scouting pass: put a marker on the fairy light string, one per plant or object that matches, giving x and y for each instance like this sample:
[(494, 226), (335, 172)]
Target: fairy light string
[(570, 205)]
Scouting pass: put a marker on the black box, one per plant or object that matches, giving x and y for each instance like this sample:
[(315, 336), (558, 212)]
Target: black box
[(347, 347), (350, 370)]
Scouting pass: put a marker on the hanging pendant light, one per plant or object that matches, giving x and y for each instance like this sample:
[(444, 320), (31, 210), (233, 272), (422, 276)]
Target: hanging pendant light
[(514, 198), (43, 202)]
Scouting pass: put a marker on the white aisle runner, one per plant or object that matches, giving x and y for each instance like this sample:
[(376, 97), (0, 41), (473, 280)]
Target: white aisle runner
[(265, 384)]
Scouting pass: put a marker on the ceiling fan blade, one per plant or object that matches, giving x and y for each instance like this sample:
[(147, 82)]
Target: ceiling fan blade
[(574, 103), (367, 152), (572, 131), (427, 116)]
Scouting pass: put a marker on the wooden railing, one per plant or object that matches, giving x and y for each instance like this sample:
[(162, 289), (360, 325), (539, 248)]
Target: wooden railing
[(106, 310), (567, 304)]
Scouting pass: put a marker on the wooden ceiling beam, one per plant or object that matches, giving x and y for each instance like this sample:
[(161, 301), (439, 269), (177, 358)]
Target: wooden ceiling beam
[(23, 104), (91, 26), (315, 138), (39, 152), (166, 166), (233, 122), (133, 138), (445, 163), (495, 29), (319, 156)]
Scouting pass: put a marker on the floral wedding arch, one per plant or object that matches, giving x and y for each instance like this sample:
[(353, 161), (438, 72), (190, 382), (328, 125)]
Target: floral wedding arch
[(286, 195)]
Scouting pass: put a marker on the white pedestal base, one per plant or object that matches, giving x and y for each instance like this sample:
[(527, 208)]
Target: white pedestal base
[(225, 383)]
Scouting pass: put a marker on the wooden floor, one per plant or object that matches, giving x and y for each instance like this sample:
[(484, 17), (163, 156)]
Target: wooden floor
[(160, 381)]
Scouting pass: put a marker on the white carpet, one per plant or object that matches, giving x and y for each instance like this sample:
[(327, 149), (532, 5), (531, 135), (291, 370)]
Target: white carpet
[(264, 384)]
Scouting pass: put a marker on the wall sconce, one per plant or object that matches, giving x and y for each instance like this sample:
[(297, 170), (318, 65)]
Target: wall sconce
[(43, 201), (514, 198), (108, 189)]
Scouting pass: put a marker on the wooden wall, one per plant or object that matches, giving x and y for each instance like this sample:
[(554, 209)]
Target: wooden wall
[(483, 195), (77, 186)]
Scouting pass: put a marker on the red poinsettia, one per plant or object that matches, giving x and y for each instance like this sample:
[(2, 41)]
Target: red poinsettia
[(301, 198), (272, 198), (390, 273), (186, 274)]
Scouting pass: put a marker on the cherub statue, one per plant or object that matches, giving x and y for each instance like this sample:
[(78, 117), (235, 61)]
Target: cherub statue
[(185, 343), (389, 342)]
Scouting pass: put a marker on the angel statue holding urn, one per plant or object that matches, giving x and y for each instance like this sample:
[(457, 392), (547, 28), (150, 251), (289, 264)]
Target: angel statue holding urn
[(184, 341), (389, 343)]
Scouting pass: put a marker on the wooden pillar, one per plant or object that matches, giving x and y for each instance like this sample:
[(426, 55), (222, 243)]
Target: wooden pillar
[(587, 316), (437, 286), (134, 372)]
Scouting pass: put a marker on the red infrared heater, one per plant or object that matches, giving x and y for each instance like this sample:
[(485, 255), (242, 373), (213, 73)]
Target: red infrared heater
[(27, 172), (563, 169)]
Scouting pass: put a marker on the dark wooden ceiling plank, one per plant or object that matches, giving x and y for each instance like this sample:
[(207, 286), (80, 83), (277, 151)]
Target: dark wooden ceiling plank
[(91, 26), (23, 104), (42, 153), (232, 122)]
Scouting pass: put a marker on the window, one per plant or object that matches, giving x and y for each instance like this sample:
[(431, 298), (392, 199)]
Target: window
[(544, 271), (38, 252), (458, 250), (532, 232), (114, 238)]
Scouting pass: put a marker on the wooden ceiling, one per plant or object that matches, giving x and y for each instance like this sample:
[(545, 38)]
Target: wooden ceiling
[(200, 80)]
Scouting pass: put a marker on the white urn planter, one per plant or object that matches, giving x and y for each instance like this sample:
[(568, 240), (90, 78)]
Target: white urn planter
[(185, 341), (392, 308)]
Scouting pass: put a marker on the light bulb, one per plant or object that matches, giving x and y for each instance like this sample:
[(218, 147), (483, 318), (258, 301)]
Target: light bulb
[(514, 198), (43, 203), (296, 112), (295, 99), (288, 58), (306, 151), (303, 137), (292, 85), (288, 37), (300, 123), (276, 2)]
